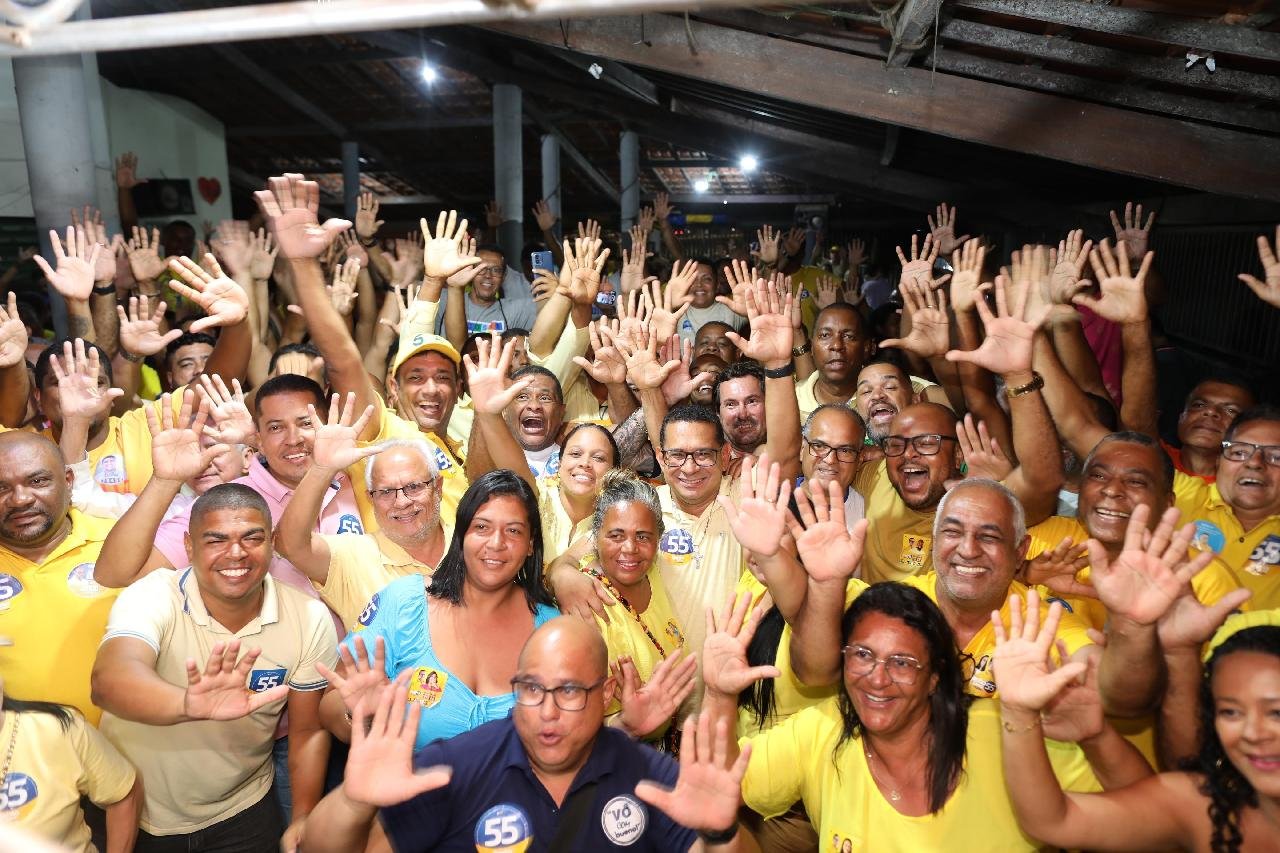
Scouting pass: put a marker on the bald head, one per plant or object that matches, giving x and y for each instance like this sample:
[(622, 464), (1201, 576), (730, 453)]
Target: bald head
[(568, 639), (32, 441), (36, 492)]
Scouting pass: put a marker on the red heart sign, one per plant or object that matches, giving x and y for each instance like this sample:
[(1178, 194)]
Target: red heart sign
[(210, 189)]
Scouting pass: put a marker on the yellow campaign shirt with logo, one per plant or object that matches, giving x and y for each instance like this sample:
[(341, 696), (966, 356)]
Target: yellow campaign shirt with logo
[(52, 768), (55, 613), (1253, 556), (790, 695), (624, 637), (201, 772), (360, 566), (1072, 630), (899, 538), (794, 761)]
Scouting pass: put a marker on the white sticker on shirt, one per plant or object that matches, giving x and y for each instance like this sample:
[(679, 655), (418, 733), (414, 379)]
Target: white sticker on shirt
[(623, 821)]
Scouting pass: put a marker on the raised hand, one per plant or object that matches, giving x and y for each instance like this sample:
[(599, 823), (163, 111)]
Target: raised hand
[(1132, 232), (769, 241), (342, 293), (143, 252), (982, 454), (829, 550), (1034, 265), (1188, 624), (442, 254), (231, 421), (644, 369), (633, 269), (590, 230), (13, 334), (352, 249), (544, 215), (367, 221), (1057, 569), (759, 520), (681, 281), (1123, 296), (919, 267), (380, 764), (1066, 281), (290, 205), (140, 328), (127, 171), (1269, 290), (104, 270), (966, 276), (1143, 582), (930, 330), (647, 706), (224, 302), (1027, 680), (856, 254), (724, 652), (232, 245), (263, 259), (335, 447), (667, 312), (466, 275), (73, 277), (176, 452), (1075, 714), (356, 678), (493, 214), (81, 387), (707, 790), (769, 314), (1006, 349), (943, 230), (487, 376), (661, 207), (679, 384), (219, 693), (828, 291), (793, 242), (607, 366), (633, 314), (585, 263)]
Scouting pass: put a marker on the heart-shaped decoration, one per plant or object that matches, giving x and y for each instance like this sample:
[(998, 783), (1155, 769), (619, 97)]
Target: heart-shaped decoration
[(210, 189)]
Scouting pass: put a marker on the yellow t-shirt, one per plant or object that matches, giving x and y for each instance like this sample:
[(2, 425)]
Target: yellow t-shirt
[(899, 538), (1253, 557), (1209, 585), (149, 387), (52, 768), (558, 530), (790, 695), (448, 458), (624, 636), (55, 614), (1072, 630), (198, 773), (807, 395), (361, 565), (794, 761)]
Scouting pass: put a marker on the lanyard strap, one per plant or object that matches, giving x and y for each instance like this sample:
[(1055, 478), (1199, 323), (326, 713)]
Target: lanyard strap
[(627, 604)]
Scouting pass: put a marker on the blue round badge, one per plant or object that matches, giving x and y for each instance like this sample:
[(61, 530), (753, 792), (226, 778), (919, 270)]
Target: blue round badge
[(504, 828), (1209, 537), (348, 523), (9, 587), (676, 542), (19, 790)]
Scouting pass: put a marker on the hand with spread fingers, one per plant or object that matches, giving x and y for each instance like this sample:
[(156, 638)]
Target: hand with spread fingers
[(607, 366), (1132, 232), (644, 369), (1056, 570), (1027, 677), (982, 454), (759, 519), (1006, 349), (1122, 295), (224, 302), (291, 204), (544, 215), (649, 705), (357, 678), (966, 275), (13, 334), (73, 273), (487, 376), (367, 221), (829, 550), (82, 387), (919, 267), (1066, 281), (127, 171), (342, 293), (1268, 288), (768, 241), (380, 768), (930, 332), (442, 253), (336, 445), (177, 454), (140, 328), (772, 335), (943, 230), (219, 692), (231, 422)]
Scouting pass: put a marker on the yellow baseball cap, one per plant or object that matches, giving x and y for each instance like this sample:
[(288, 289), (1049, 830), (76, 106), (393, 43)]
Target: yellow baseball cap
[(423, 343), (1237, 622)]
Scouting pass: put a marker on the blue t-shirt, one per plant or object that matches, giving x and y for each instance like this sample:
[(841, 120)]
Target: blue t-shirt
[(398, 614), (494, 802)]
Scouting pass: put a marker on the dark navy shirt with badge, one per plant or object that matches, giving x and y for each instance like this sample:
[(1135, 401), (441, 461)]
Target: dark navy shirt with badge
[(494, 802)]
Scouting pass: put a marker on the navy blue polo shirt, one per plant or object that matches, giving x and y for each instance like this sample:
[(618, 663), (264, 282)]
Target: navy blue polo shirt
[(494, 802)]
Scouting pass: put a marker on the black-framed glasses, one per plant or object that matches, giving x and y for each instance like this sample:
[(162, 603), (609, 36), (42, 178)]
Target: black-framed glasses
[(492, 272), (901, 669), (704, 458), (412, 491), (568, 697), (926, 445), (1242, 451), (821, 450)]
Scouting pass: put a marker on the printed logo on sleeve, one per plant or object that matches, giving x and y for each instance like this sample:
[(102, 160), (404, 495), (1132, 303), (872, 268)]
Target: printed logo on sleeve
[(10, 587), (265, 679), (1265, 557), (17, 794), (426, 687), (504, 828), (623, 821), (915, 550), (80, 581), (1209, 537), (109, 471), (349, 523), (369, 613), (677, 544)]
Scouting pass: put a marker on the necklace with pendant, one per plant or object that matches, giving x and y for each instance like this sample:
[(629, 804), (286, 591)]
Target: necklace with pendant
[(894, 794)]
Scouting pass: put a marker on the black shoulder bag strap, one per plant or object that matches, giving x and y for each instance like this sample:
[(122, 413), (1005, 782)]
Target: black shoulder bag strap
[(573, 817)]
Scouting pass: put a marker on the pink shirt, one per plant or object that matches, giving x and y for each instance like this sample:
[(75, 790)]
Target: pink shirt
[(1104, 339)]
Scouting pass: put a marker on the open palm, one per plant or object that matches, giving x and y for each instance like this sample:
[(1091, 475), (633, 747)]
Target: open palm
[(706, 793), (380, 764), (13, 334)]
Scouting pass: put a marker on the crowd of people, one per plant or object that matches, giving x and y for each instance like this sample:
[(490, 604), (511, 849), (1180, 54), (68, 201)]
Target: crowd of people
[(317, 538)]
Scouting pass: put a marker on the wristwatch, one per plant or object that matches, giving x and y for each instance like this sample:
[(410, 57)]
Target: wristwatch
[(789, 369), (724, 836), (804, 349), (1036, 383)]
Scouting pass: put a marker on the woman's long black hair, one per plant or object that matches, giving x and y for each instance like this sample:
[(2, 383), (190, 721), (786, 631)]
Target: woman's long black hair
[(948, 703), (23, 706), (1229, 792), (451, 575), (761, 698)]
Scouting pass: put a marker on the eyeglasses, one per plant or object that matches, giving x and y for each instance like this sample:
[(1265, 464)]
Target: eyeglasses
[(821, 450), (568, 697), (492, 272), (1242, 451), (901, 669), (544, 398), (926, 445), (412, 491), (703, 458)]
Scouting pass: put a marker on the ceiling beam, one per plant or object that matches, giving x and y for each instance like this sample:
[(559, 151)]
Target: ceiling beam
[(763, 198), (1180, 32), (369, 126), (584, 165), (1051, 126)]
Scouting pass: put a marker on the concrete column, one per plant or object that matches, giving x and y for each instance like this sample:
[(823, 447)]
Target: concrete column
[(350, 177), (508, 168), (551, 173), (629, 169), (57, 137)]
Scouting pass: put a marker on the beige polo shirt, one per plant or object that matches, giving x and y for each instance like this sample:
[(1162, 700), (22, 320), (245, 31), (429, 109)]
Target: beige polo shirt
[(360, 566), (199, 773)]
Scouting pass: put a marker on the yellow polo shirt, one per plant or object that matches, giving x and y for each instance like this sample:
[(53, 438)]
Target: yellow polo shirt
[(1253, 556), (700, 561), (202, 772), (361, 565), (558, 530), (52, 768), (448, 457), (1209, 585), (790, 695), (1072, 630), (624, 636), (55, 613), (807, 395), (899, 538), (794, 761)]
